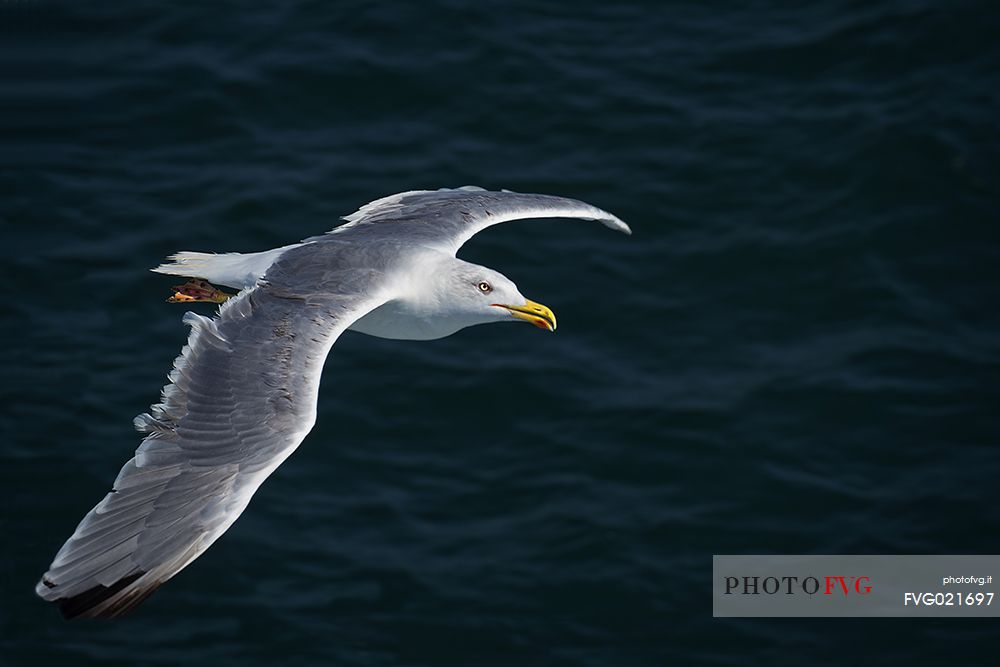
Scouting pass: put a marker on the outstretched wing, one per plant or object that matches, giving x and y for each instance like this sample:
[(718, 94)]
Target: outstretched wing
[(241, 398), (449, 218)]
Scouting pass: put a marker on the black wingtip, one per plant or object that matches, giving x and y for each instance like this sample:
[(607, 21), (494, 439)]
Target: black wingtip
[(92, 602)]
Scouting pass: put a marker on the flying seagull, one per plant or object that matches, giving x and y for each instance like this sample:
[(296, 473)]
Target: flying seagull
[(242, 394)]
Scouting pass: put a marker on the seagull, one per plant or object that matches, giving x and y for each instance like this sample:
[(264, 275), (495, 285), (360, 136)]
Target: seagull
[(242, 394)]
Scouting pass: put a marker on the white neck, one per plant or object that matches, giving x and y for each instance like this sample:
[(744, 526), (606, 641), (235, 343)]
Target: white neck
[(427, 307)]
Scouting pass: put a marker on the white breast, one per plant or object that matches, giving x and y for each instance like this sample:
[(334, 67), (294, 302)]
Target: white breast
[(397, 320)]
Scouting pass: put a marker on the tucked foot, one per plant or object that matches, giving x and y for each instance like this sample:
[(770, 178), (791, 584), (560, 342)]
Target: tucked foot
[(198, 290)]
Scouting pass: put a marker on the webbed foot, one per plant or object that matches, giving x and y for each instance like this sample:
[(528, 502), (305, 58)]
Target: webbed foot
[(198, 290)]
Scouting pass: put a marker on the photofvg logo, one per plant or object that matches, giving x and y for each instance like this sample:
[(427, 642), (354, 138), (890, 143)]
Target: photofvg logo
[(848, 585), (795, 585)]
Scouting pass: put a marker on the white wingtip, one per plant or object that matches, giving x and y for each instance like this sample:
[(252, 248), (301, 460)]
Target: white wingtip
[(617, 224)]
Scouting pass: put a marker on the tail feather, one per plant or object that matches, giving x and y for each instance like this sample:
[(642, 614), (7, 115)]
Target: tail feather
[(233, 269)]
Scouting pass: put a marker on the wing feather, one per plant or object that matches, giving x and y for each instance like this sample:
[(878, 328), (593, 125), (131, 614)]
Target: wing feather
[(450, 217), (241, 398)]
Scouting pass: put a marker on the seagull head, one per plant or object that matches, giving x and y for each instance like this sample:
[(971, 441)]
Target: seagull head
[(478, 295)]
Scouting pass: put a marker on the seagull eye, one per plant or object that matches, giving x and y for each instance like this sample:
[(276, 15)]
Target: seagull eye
[(485, 287)]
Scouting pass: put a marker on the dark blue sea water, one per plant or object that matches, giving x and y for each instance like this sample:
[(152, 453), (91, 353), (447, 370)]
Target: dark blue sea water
[(798, 351)]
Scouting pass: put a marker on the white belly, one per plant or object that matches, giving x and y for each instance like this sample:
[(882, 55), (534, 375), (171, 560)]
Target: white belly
[(395, 320)]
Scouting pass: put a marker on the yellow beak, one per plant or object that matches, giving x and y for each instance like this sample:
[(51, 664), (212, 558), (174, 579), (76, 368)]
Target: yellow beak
[(536, 313)]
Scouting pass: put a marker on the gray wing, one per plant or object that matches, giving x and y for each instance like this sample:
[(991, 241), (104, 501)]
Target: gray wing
[(448, 218), (241, 398)]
